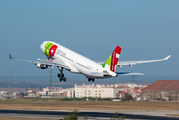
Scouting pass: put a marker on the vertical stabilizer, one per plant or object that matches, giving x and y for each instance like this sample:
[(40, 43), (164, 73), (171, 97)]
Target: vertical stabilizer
[(113, 59)]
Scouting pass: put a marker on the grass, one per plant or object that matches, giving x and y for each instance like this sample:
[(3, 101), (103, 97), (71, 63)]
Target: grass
[(84, 99), (172, 114), (58, 104)]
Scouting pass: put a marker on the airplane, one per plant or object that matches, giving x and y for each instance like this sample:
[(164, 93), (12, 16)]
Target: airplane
[(64, 58)]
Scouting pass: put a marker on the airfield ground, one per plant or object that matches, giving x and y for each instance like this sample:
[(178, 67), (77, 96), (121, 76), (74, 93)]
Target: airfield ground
[(57, 104), (11, 118)]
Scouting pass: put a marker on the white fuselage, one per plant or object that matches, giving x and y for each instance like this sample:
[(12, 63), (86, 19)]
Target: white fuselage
[(79, 64)]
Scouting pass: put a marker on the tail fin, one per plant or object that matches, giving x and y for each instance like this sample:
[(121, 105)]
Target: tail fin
[(113, 59)]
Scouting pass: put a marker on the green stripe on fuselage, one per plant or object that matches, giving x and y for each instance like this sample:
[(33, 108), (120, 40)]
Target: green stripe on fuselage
[(47, 48)]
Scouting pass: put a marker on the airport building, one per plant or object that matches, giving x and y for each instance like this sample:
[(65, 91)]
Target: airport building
[(166, 90)]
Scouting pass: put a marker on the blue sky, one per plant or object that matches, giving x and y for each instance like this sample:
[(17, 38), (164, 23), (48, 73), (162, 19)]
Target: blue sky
[(144, 29)]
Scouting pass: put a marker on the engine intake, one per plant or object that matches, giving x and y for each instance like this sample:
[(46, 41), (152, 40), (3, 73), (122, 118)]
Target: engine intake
[(41, 66)]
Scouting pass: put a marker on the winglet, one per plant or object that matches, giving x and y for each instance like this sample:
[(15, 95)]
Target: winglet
[(10, 57), (167, 57)]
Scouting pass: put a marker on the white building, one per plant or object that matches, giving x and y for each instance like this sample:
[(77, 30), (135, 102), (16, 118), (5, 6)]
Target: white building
[(15, 93), (97, 91), (52, 89), (56, 91), (3, 92)]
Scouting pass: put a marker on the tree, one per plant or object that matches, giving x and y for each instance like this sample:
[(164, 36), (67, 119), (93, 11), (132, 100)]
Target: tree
[(117, 117), (71, 116)]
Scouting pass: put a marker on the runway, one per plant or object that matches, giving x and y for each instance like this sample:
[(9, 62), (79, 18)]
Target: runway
[(92, 114)]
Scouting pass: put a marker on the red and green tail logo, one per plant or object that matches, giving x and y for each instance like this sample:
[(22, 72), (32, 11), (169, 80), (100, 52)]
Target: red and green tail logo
[(113, 59), (50, 49)]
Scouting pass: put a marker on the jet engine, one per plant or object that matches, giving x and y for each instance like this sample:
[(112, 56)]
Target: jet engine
[(41, 66)]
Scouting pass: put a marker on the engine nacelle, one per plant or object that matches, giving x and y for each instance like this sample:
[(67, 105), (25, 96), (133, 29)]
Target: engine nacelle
[(41, 66)]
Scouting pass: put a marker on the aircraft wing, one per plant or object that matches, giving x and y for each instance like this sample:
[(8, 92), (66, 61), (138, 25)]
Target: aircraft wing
[(54, 62), (130, 63)]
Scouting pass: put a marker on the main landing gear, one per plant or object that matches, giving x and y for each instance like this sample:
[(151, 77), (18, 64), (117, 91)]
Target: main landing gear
[(61, 75), (91, 79)]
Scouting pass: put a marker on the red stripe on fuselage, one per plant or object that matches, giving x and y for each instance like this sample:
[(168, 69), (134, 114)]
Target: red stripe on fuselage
[(52, 50)]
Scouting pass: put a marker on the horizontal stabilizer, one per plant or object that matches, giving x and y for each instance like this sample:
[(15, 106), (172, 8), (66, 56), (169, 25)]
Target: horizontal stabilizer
[(128, 73)]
